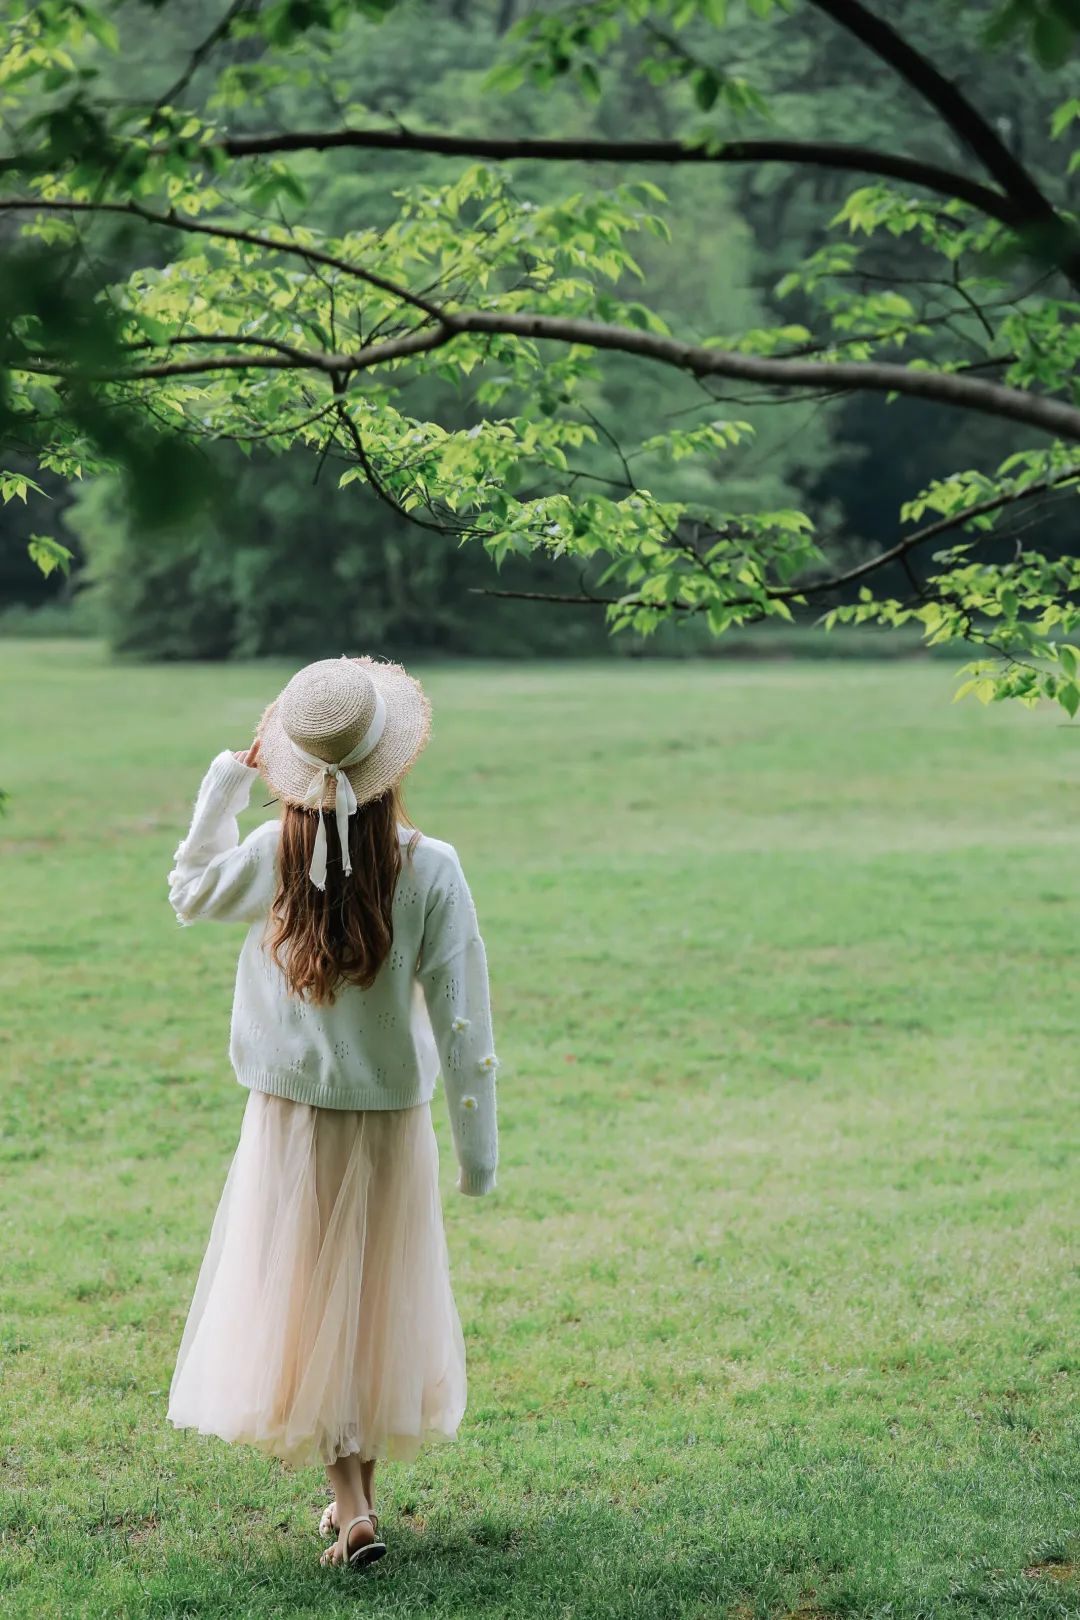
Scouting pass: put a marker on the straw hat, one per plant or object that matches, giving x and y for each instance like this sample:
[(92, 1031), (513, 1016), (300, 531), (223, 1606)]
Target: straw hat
[(345, 728)]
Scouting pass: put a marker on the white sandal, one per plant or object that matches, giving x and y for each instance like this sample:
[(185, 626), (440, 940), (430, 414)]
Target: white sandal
[(368, 1552)]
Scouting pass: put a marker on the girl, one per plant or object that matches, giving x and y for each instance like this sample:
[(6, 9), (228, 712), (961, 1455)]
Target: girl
[(323, 1328)]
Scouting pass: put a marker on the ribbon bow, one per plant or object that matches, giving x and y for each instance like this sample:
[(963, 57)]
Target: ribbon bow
[(345, 804)]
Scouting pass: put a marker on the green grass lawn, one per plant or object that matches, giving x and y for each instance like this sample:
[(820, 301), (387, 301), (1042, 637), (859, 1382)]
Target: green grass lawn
[(775, 1310)]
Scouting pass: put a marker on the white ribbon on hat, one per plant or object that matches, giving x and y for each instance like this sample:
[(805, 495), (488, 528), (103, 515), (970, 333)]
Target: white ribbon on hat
[(345, 798)]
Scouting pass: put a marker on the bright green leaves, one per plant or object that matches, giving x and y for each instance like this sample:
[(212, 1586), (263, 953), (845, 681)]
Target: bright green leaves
[(48, 554), (1022, 612), (674, 562), (15, 486), (50, 44), (1024, 681), (950, 497), (962, 298), (680, 443), (1042, 340), (950, 229), (1064, 117)]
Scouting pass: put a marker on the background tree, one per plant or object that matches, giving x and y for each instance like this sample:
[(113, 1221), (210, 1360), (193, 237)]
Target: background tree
[(475, 353)]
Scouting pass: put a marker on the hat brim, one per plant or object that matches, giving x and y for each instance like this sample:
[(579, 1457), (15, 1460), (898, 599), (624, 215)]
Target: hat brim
[(407, 729)]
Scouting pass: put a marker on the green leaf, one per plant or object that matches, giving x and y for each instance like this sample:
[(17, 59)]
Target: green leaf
[(589, 80), (504, 77), (13, 486), (1063, 117), (102, 28), (1051, 39), (278, 183), (49, 554), (706, 87), (1009, 19), (156, 330)]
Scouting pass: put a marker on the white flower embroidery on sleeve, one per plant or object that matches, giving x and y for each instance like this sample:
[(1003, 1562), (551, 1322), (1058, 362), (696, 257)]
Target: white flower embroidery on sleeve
[(468, 1102), (489, 1063), (459, 1024)]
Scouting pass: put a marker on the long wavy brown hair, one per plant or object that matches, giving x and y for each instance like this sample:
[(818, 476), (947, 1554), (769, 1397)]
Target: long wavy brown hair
[(322, 939)]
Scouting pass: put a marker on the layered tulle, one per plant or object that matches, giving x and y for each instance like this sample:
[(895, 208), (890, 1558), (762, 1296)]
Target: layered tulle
[(323, 1321)]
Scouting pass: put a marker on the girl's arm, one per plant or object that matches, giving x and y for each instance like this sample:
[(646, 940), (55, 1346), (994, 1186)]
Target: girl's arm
[(453, 974), (215, 875)]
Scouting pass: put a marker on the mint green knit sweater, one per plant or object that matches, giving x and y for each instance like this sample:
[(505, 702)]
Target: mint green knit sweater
[(428, 1010)]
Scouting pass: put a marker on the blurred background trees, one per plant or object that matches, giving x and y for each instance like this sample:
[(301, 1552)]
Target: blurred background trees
[(284, 561)]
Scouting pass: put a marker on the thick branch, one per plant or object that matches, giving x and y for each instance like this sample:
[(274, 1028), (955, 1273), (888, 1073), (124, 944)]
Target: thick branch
[(882, 377), (964, 119), (816, 154), (963, 392)]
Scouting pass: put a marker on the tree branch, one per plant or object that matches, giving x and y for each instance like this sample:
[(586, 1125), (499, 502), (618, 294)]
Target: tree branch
[(817, 154), (825, 587), (374, 354), (963, 392), (965, 121), (930, 531), (967, 392), (373, 478), (227, 233), (569, 601), (221, 30)]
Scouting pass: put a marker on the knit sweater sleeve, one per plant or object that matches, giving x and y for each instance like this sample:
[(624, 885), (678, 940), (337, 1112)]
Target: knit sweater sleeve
[(214, 875), (454, 975)]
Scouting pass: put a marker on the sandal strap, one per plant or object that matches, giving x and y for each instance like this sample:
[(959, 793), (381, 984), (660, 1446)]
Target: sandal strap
[(361, 1518)]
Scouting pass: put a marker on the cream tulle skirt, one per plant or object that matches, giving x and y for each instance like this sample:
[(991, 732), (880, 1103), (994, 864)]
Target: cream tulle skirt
[(323, 1321)]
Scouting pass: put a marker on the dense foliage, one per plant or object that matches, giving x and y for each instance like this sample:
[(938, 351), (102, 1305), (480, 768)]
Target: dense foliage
[(558, 365)]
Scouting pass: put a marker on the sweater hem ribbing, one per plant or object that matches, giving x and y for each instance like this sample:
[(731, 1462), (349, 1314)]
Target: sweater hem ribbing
[(476, 1183), (311, 1091)]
